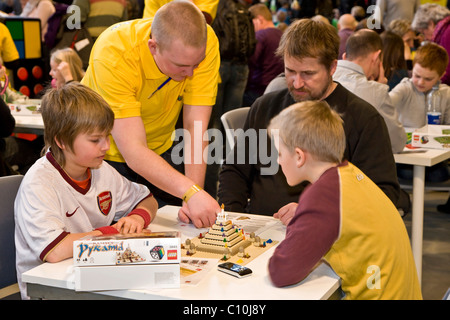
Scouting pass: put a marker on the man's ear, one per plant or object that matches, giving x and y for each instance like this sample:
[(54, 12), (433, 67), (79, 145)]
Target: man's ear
[(152, 46), (299, 157), (333, 67), (375, 55)]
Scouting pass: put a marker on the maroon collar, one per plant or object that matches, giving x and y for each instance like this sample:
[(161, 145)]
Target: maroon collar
[(65, 176)]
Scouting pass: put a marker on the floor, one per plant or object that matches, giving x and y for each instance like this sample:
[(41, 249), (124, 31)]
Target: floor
[(436, 247)]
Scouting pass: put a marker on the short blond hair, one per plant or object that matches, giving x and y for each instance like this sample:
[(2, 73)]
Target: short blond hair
[(311, 126), (179, 20), (400, 26), (69, 111), (260, 9)]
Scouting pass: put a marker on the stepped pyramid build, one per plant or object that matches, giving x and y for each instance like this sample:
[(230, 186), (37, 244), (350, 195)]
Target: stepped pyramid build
[(223, 237), (128, 256)]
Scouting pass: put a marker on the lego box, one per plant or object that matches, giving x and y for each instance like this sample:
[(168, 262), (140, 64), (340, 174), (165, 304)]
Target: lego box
[(432, 137), (127, 277), (143, 248)]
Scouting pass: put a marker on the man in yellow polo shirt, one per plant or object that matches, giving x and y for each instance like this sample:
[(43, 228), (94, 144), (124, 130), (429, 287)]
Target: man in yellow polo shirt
[(149, 70)]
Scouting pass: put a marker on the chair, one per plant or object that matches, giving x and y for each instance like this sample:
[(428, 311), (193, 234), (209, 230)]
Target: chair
[(232, 120), (447, 295), (9, 185)]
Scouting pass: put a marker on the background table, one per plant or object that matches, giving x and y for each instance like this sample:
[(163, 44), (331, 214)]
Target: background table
[(29, 124), (56, 281), (419, 158), (27, 121)]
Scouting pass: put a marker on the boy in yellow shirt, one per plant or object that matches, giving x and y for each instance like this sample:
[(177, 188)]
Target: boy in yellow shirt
[(342, 217)]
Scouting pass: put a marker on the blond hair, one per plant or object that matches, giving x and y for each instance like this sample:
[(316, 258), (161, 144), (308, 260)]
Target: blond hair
[(400, 26), (73, 60), (311, 126), (69, 111), (260, 9), (179, 20)]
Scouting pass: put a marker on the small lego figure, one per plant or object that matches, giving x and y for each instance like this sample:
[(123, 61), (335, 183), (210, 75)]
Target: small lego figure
[(192, 249), (257, 241), (241, 252)]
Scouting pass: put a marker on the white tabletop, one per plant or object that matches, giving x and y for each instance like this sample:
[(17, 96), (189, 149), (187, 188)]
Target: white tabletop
[(32, 121), (27, 120), (320, 284), (422, 156)]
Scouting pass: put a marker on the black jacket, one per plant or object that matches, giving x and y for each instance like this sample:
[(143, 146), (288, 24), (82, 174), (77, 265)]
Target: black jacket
[(242, 187)]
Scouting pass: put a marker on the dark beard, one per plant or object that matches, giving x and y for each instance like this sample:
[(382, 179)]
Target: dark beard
[(319, 96)]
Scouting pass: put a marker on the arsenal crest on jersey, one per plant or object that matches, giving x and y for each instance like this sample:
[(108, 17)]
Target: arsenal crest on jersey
[(104, 201)]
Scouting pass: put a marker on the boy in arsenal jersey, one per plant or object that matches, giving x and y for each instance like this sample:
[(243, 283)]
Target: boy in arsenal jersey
[(71, 192), (342, 217)]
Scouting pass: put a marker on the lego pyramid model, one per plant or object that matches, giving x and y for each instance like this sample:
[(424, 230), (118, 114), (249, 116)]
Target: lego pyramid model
[(223, 235), (128, 256)]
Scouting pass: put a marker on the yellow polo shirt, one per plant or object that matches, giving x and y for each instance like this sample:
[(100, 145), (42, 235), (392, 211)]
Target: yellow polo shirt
[(208, 6), (122, 70)]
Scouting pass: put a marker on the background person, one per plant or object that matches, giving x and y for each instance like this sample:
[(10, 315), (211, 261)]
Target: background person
[(66, 66)]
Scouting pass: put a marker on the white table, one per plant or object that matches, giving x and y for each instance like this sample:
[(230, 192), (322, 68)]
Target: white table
[(26, 120), (322, 283), (29, 124), (419, 158)]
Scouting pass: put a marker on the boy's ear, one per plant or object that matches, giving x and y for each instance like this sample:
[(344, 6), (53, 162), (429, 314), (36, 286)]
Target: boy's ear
[(59, 144), (299, 157)]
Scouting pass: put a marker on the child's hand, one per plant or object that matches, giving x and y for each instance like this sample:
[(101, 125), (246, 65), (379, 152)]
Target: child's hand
[(130, 224), (64, 68), (286, 213)]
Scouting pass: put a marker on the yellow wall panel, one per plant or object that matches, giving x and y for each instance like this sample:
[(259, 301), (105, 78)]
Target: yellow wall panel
[(32, 35)]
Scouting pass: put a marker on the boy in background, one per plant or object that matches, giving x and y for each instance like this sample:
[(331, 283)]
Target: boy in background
[(410, 98), (342, 217), (410, 95), (71, 192)]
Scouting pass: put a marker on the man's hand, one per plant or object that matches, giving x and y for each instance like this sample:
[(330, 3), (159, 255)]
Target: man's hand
[(286, 213), (381, 77), (201, 210)]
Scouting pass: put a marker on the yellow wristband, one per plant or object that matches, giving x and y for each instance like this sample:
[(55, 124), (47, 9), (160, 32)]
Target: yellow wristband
[(190, 192)]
